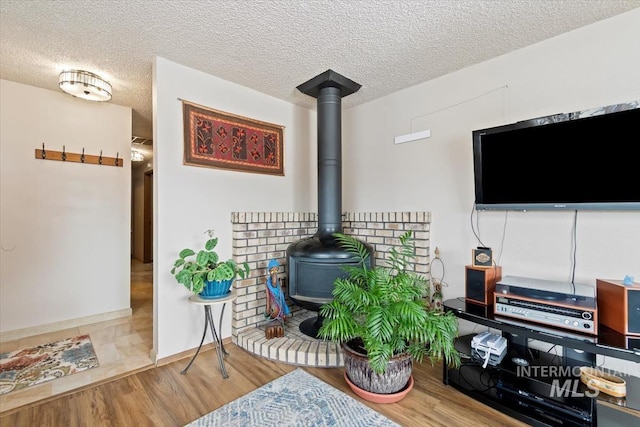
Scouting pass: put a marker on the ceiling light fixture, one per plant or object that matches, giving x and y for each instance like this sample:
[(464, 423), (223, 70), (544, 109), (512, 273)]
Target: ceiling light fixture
[(136, 156), (85, 85)]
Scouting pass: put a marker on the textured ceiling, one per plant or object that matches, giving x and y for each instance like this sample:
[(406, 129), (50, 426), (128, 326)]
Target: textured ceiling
[(273, 46)]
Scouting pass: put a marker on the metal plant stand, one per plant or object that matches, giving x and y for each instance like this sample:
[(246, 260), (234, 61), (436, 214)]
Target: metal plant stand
[(208, 323)]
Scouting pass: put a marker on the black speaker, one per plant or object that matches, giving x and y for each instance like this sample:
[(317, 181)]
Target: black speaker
[(633, 311), (480, 283), (619, 306)]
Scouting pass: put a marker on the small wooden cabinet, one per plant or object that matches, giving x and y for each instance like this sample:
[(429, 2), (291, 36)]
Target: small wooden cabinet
[(480, 283), (619, 306)]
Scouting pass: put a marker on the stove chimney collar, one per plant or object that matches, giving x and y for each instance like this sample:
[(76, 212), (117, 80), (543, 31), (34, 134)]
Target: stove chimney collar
[(329, 78)]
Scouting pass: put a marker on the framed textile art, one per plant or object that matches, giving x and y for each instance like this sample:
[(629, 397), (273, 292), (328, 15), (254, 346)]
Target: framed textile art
[(222, 140)]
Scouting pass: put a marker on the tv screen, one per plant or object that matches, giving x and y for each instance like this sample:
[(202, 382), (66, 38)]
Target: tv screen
[(565, 161)]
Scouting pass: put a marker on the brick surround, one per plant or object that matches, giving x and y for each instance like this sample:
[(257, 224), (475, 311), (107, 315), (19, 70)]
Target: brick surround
[(261, 236)]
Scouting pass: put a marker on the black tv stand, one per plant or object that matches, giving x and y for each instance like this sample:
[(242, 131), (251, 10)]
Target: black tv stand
[(546, 391)]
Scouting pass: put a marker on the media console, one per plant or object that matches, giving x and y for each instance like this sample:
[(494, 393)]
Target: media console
[(542, 388)]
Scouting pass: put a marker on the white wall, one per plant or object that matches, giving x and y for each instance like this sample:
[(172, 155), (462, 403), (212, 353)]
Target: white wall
[(589, 67), (189, 200), (64, 226)]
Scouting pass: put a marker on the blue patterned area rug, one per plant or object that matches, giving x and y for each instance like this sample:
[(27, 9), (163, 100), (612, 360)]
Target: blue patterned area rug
[(296, 399)]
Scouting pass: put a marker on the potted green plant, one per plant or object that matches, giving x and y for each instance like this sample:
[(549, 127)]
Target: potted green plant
[(204, 274), (381, 319)]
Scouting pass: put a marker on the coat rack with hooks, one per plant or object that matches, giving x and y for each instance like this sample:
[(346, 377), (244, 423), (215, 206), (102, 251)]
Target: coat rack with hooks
[(78, 157)]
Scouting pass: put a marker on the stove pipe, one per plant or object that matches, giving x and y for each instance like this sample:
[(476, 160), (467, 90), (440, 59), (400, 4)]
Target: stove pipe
[(316, 262)]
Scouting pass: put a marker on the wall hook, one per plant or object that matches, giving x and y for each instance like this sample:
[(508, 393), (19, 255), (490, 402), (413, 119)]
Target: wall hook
[(80, 157)]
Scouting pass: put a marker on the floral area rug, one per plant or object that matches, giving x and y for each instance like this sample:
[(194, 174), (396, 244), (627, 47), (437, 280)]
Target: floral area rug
[(296, 399), (36, 365)]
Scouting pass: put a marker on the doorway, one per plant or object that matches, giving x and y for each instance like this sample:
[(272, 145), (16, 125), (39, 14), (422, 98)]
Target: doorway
[(147, 253), (142, 249)]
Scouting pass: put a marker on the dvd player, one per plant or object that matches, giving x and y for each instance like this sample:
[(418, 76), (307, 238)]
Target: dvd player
[(547, 330), (572, 407), (541, 408)]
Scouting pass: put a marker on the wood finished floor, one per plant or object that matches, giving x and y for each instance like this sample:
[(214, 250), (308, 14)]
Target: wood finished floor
[(126, 390), (122, 345), (163, 397)]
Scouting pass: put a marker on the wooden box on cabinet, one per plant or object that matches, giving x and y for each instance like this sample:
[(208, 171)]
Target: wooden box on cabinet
[(619, 306)]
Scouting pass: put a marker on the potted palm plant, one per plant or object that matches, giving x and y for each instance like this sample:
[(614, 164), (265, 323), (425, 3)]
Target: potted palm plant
[(204, 274), (380, 317)]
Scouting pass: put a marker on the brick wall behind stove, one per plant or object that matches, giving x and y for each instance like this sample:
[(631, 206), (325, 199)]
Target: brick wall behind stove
[(261, 236)]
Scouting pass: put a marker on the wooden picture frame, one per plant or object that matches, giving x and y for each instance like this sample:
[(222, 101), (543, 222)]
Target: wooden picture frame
[(482, 257), (222, 140)]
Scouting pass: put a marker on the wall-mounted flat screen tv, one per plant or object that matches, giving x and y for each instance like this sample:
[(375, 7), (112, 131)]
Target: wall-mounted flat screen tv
[(584, 160)]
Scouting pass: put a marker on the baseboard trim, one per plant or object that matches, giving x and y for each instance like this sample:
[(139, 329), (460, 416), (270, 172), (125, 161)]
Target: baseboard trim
[(65, 324), (153, 355)]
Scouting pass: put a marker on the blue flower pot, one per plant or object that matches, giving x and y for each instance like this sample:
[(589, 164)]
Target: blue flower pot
[(216, 289)]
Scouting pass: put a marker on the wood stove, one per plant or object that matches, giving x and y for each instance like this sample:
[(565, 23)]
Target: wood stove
[(316, 262)]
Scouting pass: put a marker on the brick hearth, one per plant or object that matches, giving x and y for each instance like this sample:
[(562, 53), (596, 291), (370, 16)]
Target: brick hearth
[(295, 348), (261, 236)]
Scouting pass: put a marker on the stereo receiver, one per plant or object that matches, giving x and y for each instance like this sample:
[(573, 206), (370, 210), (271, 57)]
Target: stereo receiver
[(571, 307)]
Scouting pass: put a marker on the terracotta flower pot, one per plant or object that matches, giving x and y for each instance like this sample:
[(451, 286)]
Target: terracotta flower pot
[(357, 368), (380, 398)]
